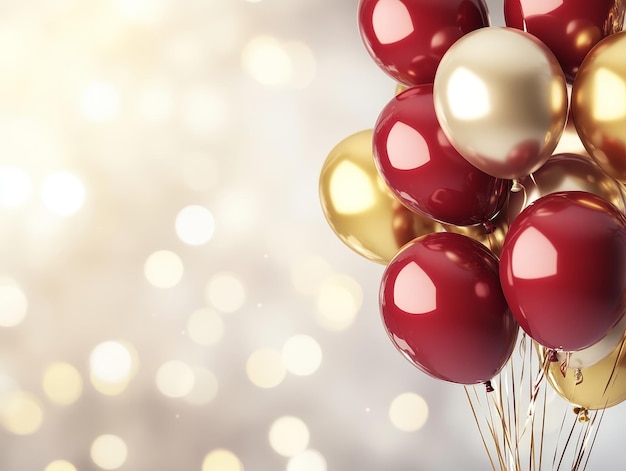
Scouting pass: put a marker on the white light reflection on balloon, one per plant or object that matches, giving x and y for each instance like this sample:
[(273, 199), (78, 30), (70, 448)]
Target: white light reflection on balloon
[(410, 280), (609, 96), (544, 262), (406, 147), (354, 197), (469, 94), (391, 21)]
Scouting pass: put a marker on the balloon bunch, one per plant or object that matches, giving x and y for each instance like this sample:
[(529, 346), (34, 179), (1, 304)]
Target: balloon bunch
[(460, 189)]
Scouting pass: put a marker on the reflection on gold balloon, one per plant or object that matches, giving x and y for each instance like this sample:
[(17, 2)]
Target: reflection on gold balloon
[(598, 386), (400, 87), (599, 104), (566, 172), (359, 207), (570, 142), (492, 240), (501, 99)]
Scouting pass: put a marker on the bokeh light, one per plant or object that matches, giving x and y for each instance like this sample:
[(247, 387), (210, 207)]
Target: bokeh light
[(302, 355), (225, 292), (265, 368), (109, 451), (21, 412), (221, 460), (308, 460), (60, 465), (13, 303), (338, 302), (163, 269), (175, 379), (205, 327), (195, 225), (408, 412), (63, 193), (62, 383), (266, 60), (289, 436)]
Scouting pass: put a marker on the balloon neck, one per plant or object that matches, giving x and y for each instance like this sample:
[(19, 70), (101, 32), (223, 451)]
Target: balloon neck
[(489, 227), (552, 356), (582, 413), (578, 376), (488, 386), (516, 187)]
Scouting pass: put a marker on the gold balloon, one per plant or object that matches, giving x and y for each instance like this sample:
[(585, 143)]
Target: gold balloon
[(501, 99), (566, 172), (599, 104), (596, 387), (359, 206)]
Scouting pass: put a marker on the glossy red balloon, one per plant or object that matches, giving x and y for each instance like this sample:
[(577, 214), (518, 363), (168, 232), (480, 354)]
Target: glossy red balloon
[(420, 166), (407, 38), (563, 269), (443, 308), (570, 28)]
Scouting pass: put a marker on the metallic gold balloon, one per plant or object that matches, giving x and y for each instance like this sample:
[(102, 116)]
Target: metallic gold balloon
[(566, 172), (359, 207), (599, 104), (501, 99), (598, 386)]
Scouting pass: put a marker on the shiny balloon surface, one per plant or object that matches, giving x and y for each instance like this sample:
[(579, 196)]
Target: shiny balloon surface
[(407, 38), (359, 207), (424, 171), (443, 308), (563, 269), (570, 28), (501, 98), (599, 104)]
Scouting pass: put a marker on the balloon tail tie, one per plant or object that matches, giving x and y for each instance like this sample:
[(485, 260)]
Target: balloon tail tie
[(582, 413), (488, 386), (578, 376), (552, 356), (517, 186), (489, 227)]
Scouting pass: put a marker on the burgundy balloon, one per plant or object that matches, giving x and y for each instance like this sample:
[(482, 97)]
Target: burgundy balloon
[(570, 28), (420, 166), (443, 308), (407, 38), (563, 269)]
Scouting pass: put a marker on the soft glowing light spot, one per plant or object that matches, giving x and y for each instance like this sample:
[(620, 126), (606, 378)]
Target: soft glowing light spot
[(303, 64), (205, 327), (308, 460), (289, 436), (195, 225), (205, 387), (406, 147), (16, 187), (20, 413), (338, 302), (111, 362), (175, 379), (351, 189), (540, 8), (163, 269), (109, 451), (408, 412), (266, 60), (221, 460), (265, 368), (544, 260), (238, 210), (203, 110), (13, 304), (413, 290), (60, 465), (225, 292), (302, 355), (308, 272), (63, 193), (467, 95), (99, 101), (62, 383), (609, 96), (391, 21)]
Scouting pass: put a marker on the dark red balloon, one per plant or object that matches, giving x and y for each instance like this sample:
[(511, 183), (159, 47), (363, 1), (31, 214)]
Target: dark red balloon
[(424, 171), (563, 269), (443, 308), (407, 38), (570, 28)]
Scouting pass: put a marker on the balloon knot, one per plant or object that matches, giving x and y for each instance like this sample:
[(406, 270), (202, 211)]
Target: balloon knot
[(488, 386), (552, 356), (489, 227), (517, 186), (582, 413)]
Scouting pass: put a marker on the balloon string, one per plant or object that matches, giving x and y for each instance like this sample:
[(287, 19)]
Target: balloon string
[(480, 430)]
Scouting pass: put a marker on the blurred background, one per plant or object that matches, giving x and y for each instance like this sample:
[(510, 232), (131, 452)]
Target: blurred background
[(171, 296)]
